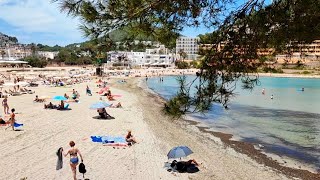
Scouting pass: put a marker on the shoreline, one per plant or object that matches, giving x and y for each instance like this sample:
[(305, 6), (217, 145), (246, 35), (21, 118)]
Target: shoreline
[(241, 147)]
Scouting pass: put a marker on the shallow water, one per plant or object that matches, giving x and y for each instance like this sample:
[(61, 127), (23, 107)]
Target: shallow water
[(288, 125)]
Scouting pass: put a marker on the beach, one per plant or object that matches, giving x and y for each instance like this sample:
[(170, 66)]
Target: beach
[(31, 152)]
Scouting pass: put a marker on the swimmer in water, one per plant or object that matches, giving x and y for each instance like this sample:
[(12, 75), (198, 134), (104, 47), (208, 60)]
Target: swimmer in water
[(271, 96), (302, 89)]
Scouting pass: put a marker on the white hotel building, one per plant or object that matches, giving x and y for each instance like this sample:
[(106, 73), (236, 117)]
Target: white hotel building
[(188, 45), (158, 57)]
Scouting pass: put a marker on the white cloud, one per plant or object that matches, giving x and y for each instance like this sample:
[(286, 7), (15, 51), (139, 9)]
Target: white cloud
[(32, 16)]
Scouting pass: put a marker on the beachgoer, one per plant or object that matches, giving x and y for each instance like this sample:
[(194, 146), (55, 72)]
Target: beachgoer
[(88, 91), (302, 89), (263, 91), (74, 160), (103, 113), (12, 118), (118, 105), (2, 121), (66, 96), (61, 105), (50, 106), (130, 139), (271, 96), (5, 105)]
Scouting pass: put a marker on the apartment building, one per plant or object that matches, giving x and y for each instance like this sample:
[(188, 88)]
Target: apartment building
[(188, 45), (47, 54), (151, 57), (17, 51)]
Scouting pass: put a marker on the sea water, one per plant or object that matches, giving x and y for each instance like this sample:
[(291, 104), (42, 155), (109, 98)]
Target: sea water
[(287, 125)]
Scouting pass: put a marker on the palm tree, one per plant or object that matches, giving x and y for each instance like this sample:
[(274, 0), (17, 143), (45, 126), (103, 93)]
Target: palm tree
[(182, 54)]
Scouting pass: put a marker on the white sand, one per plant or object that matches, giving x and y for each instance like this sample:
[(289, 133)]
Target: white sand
[(31, 153)]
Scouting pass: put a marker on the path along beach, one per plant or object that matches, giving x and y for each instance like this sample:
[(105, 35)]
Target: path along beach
[(31, 152)]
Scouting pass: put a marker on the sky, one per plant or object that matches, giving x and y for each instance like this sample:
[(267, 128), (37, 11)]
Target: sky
[(40, 21)]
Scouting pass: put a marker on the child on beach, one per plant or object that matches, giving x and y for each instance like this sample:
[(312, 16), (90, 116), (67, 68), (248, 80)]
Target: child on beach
[(12, 118)]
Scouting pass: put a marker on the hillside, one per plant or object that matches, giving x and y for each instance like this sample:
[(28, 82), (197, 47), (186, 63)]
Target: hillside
[(5, 39)]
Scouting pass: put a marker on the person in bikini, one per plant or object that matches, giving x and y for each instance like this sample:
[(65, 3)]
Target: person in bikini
[(5, 105), (12, 119), (130, 139), (74, 160)]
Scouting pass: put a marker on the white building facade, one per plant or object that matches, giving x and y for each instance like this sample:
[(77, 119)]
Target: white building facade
[(151, 57), (48, 54), (188, 45)]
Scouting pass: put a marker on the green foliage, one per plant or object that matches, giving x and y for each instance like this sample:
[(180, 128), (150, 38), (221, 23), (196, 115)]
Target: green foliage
[(234, 53), (306, 72), (36, 61), (195, 64), (41, 47), (181, 65)]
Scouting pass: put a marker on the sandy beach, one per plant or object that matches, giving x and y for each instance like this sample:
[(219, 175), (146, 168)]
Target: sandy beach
[(30, 153)]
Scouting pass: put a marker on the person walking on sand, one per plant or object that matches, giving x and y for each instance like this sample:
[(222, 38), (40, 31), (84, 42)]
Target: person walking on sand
[(74, 160), (5, 105)]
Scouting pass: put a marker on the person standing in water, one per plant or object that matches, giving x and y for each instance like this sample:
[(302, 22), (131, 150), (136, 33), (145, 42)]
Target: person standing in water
[(271, 96), (74, 160), (263, 91)]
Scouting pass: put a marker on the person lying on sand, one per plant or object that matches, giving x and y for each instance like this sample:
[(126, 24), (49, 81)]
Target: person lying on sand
[(130, 139), (50, 106), (118, 105), (38, 100), (61, 105), (3, 121)]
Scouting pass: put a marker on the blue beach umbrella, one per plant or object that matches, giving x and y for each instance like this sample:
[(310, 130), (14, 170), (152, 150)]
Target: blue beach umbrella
[(99, 105), (179, 151), (59, 98)]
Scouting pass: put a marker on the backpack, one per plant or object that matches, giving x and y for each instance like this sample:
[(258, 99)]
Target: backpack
[(82, 169)]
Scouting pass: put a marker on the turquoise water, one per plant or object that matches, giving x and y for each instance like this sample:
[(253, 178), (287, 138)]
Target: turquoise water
[(287, 125)]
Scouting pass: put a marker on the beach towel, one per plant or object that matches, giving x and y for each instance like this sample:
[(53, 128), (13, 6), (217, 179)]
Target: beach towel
[(59, 161), (17, 124), (110, 140)]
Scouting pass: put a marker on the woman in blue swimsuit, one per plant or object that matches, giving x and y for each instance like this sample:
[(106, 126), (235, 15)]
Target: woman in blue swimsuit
[(74, 160)]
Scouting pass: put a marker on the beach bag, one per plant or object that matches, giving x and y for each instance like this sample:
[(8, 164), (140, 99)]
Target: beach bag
[(82, 169)]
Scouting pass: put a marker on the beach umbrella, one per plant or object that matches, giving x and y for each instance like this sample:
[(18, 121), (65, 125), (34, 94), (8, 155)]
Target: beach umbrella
[(99, 105), (179, 151), (59, 98)]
